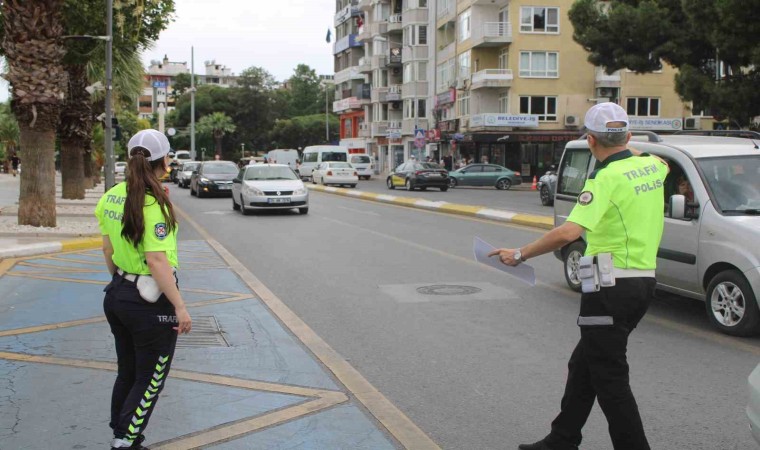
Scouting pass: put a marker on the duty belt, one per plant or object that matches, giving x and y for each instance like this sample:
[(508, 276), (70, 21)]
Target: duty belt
[(632, 273), (127, 276)]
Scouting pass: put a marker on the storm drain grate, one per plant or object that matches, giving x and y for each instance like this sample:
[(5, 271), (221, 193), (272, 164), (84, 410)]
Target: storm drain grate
[(448, 289), (205, 333)]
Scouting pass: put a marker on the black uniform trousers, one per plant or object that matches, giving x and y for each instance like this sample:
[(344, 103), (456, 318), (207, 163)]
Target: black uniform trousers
[(145, 343), (598, 368)]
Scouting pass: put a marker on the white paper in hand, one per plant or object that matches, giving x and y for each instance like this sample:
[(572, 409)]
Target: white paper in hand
[(481, 249)]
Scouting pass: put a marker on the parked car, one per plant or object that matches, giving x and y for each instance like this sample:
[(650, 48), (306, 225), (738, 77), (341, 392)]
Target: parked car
[(710, 248), (422, 175), (213, 178), (185, 172), (546, 186), (268, 186), (363, 165), (120, 167), (484, 175), (340, 173), (753, 404)]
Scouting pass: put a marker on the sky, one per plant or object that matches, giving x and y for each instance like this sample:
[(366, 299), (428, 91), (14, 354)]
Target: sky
[(276, 35)]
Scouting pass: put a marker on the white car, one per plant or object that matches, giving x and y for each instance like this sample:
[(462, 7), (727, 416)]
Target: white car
[(185, 171), (119, 167), (268, 186), (340, 173), (363, 165)]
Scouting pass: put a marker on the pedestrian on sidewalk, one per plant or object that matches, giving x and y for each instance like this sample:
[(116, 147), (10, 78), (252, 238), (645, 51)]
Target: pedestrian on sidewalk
[(15, 161), (623, 226), (143, 305)]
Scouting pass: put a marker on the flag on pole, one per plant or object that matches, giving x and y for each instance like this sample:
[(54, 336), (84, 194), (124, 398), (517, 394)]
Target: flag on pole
[(329, 34)]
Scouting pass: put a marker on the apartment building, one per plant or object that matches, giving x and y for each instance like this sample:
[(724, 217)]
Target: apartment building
[(159, 81)]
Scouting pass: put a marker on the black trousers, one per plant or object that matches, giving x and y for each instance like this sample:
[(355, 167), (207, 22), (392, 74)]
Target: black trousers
[(145, 343), (598, 367)]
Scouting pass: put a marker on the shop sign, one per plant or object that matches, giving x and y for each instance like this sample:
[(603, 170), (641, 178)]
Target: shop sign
[(395, 55), (656, 123), (446, 98), (504, 120)]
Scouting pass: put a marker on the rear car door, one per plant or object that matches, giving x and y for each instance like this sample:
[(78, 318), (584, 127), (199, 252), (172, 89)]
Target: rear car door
[(472, 175)]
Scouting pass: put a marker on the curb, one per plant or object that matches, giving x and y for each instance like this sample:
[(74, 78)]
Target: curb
[(481, 212), (42, 248)]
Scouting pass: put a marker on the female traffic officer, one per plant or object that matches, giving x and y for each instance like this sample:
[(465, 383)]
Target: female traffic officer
[(142, 304)]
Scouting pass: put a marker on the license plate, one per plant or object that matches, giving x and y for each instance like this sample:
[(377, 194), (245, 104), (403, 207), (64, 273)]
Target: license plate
[(434, 175), (225, 187), (278, 200)]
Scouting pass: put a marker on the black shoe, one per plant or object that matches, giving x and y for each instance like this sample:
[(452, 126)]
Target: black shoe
[(540, 445)]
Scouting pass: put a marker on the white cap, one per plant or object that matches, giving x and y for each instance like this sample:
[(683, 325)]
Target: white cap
[(601, 114), (152, 140)]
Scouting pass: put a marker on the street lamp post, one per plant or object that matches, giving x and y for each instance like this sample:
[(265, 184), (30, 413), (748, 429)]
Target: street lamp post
[(110, 174)]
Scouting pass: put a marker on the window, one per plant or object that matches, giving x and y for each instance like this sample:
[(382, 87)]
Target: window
[(415, 108), (643, 106), (447, 114), (504, 58), (415, 71), (465, 25), (464, 64), (504, 102), (543, 107), (572, 174), (445, 7), (416, 35), (445, 74), (464, 104), (537, 19), (539, 64)]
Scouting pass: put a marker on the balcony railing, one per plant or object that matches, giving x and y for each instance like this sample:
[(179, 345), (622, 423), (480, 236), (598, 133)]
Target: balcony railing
[(492, 34), (351, 73), (379, 62), (365, 5), (379, 128), (364, 65), (394, 93), (492, 78), (605, 80), (379, 95), (364, 130), (395, 22), (394, 125), (414, 52), (351, 10)]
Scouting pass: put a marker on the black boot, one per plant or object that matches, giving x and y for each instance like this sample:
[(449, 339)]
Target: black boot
[(542, 445)]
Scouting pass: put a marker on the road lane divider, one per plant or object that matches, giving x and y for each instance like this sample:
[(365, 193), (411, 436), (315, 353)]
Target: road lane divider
[(482, 212)]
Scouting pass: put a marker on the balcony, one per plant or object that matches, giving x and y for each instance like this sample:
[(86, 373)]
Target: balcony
[(415, 52), (447, 52), (345, 75), (414, 89), (378, 62), (364, 130), (348, 12), (379, 129), (365, 5), (349, 104), (345, 43), (364, 65), (414, 16), (408, 125), (395, 23), (491, 78), (379, 28), (365, 33), (379, 95), (492, 34), (394, 93), (603, 80)]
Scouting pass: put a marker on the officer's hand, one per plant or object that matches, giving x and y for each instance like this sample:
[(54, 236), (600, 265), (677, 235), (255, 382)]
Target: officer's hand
[(184, 322), (506, 256)]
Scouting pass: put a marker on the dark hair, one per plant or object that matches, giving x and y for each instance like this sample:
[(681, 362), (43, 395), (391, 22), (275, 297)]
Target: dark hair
[(141, 180)]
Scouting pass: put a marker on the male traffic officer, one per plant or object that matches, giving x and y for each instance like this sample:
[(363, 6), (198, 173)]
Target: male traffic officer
[(621, 211)]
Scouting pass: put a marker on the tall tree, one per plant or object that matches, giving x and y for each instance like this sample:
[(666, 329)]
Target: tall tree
[(306, 94), (34, 51), (692, 35), (302, 131), (217, 125), (182, 83)]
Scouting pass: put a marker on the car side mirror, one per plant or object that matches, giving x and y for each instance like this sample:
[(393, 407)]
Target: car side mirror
[(237, 180), (677, 207), (195, 172)]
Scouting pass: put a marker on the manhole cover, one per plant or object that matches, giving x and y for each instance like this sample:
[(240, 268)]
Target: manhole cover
[(205, 333), (448, 289)]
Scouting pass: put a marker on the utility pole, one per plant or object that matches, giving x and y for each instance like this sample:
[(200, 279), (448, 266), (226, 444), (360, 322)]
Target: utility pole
[(242, 150), (192, 103), (327, 119), (109, 169)]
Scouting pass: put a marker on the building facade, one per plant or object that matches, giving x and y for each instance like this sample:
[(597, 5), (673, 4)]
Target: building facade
[(501, 81)]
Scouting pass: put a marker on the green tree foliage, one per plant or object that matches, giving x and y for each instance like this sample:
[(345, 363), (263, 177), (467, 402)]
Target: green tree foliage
[(306, 94), (217, 125), (302, 131), (687, 34), (182, 84)]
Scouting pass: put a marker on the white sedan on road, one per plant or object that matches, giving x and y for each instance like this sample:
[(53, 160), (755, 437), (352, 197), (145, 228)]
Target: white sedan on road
[(335, 172), (268, 186)]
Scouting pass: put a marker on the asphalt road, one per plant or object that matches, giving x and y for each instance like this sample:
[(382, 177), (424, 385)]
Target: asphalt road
[(478, 370)]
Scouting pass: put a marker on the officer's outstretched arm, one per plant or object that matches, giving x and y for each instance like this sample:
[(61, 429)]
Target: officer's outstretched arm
[(553, 240)]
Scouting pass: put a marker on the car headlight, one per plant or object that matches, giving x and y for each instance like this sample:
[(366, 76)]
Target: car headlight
[(205, 180), (299, 191), (253, 191)]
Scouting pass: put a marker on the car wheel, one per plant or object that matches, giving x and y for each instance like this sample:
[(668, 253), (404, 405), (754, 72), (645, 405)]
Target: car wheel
[(303, 210), (444, 189), (731, 305), (409, 185), (199, 193), (423, 188), (503, 184), (192, 191), (546, 196), (389, 183), (243, 209), (572, 259), (235, 206), (313, 181), (352, 185), (452, 182)]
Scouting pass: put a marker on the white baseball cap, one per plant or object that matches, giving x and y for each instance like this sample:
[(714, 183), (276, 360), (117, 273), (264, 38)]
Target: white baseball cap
[(152, 140), (601, 114)]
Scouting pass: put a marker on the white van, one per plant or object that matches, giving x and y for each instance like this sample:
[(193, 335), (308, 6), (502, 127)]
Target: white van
[(289, 157), (315, 154), (710, 248), (362, 163)]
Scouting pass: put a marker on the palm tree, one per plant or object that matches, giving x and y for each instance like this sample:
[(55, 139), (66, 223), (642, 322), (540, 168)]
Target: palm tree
[(34, 52), (216, 124)]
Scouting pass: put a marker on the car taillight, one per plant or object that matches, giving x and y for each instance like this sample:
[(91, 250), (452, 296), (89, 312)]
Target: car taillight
[(329, 173), (418, 172), (517, 173)]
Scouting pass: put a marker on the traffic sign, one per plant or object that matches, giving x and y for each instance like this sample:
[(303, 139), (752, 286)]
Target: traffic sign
[(419, 138)]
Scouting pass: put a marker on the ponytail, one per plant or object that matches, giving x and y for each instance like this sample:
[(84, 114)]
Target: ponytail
[(141, 180)]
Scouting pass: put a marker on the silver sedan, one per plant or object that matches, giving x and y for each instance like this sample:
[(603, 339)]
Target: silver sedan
[(268, 186)]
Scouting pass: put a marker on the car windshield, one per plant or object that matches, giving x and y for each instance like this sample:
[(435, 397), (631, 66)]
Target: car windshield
[(269, 173), (183, 156), (734, 182), (428, 166), (333, 156), (220, 168), (361, 159), (190, 167), (339, 165)]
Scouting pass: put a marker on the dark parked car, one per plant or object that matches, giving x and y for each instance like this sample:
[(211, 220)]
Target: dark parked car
[(213, 178), (422, 175), (484, 175), (547, 185)]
